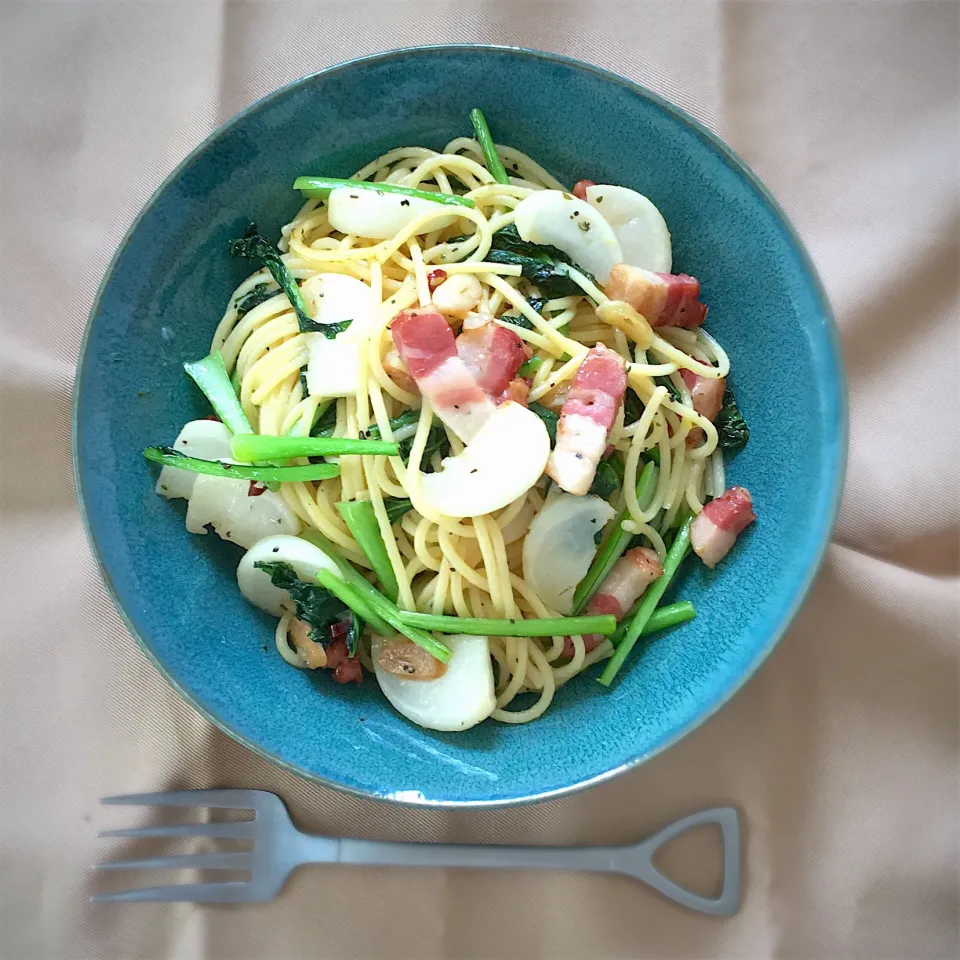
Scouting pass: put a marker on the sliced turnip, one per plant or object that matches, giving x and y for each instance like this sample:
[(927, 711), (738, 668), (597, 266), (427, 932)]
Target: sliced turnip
[(305, 558), (234, 514), (379, 216), (579, 230), (638, 225), (502, 462), (335, 297), (203, 439), (560, 546), (333, 367), (458, 700)]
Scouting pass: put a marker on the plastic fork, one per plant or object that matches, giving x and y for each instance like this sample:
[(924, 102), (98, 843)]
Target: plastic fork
[(279, 848)]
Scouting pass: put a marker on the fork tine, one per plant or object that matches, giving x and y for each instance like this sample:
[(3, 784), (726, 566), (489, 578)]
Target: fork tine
[(233, 829), (230, 860), (243, 799), (231, 891)]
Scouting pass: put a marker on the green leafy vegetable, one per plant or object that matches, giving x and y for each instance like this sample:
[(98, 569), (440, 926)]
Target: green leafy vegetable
[(549, 418), (405, 423), (661, 618), (397, 508), (529, 367), (671, 388), (732, 430), (322, 187), (253, 298), (369, 603), (255, 447), (537, 303), (632, 407), (361, 519), (481, 627), (614, 546), (484, 138), (241, 471), (405, 426), (508, 238), (518, 320), (671, 563), (254, 247), (437, 442), (331, 330), (605, 480), (210, 375), (317, 607), (537, 262), (326, 419)]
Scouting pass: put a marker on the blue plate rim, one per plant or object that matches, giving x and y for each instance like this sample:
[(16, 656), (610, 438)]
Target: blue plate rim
[(735, 161)]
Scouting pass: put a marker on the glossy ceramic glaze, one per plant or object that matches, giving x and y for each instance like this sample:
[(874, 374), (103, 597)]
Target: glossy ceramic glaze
[(166, 290)]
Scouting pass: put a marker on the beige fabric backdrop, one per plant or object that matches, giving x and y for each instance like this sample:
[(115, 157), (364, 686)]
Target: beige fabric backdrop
[(842, 752)]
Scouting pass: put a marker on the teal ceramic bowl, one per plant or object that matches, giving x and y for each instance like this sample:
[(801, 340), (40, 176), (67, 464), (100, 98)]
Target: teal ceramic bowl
[(165, 290)]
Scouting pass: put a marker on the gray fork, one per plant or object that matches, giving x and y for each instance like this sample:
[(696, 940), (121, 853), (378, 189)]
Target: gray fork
[(279, 848)]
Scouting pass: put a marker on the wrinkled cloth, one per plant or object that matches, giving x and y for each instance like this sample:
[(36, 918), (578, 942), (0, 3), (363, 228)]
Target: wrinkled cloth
[(841, 753)]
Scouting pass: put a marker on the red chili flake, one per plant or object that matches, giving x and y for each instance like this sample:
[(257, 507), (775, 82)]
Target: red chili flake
[(339, 629), (256, 488), (214, 417), (435, 278)]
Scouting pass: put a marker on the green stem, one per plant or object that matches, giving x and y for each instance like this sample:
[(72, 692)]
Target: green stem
[(361, 520), (363, 602), (679, 549), (242, 471), (322, 186), (529, 367), (661, 619), (351, 575), (253, 446), (612, 548), (210, 375), (485, 139), (478, 626)]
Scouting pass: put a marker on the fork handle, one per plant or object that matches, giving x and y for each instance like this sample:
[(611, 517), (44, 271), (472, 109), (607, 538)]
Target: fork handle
[(376, 853), (635, 860)]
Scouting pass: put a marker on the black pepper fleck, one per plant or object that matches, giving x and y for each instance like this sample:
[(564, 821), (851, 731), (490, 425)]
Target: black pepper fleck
[(404, 203), (276, 549), (584, 226), (354, 196)]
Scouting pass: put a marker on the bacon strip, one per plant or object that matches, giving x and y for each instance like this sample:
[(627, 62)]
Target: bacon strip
[(427, 348), (719, 523), (586, 418), (494, 355), (664, 299), (346, 669), (706, 393), (625, 584)]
